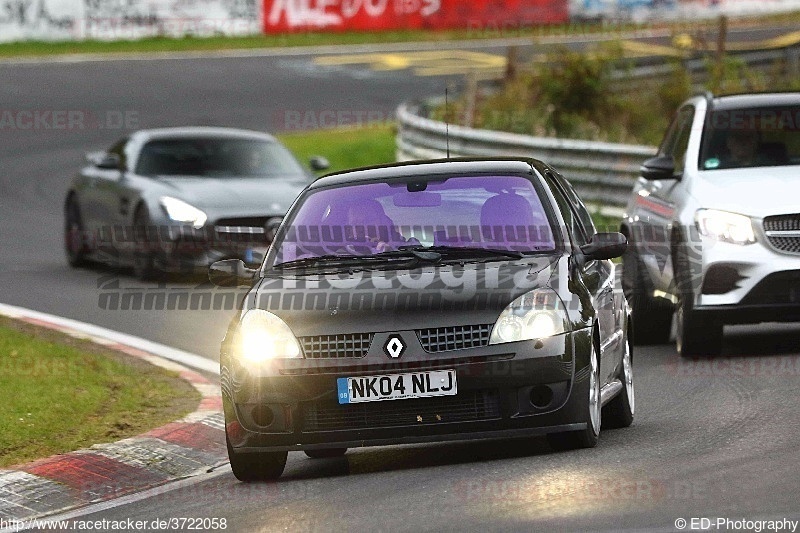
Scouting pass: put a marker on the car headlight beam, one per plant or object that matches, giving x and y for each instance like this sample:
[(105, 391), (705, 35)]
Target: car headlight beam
[(180, 211), (263, 336), (725, 226), (535, 315)]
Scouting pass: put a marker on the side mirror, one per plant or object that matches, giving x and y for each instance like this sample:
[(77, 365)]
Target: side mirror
[(109, 162), (231, 273), (319, 163), (659, 168), (605, 246)]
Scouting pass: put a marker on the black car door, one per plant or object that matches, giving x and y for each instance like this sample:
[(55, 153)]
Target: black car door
[(596, 276)]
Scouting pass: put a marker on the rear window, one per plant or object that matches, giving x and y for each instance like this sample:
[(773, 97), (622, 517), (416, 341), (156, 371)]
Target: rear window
[(754, 137)]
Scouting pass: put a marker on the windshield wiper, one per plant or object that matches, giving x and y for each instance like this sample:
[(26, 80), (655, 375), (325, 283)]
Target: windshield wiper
[(465, 251), (411, 256), (312, 261)]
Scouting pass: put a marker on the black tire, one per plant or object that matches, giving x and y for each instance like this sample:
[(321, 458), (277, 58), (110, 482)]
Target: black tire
[(143, 257), (326, 453), (618, 413), (263, 466), (694, 337), (652, 317), (74, 238), (588, 437)]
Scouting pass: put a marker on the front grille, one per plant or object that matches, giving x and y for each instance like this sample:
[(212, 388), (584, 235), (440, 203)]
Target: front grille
[(469, 406), (351, 345), (782, 223), (783, 232), (435, 340)]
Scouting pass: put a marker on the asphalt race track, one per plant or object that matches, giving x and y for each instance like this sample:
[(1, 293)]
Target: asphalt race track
[(711, 438)]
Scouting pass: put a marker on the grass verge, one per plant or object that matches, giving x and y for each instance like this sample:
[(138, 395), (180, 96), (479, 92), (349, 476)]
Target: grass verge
[(345, 147), (61, 394)]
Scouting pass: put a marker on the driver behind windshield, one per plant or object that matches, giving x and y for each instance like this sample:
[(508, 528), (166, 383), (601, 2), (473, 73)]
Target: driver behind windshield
[(370, 228)]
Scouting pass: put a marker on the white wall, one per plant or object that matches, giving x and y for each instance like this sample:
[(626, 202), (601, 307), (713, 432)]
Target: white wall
[(125, 19)]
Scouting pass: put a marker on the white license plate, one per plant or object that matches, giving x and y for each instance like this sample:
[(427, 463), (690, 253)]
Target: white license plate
[(397, 386)]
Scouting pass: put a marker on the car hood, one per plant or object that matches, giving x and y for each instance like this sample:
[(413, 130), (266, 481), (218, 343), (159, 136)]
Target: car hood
[(381, 301), (267, 194), (756, 192)]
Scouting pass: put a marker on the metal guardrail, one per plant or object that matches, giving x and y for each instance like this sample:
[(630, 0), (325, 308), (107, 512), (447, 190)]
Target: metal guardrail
[(603, 173)]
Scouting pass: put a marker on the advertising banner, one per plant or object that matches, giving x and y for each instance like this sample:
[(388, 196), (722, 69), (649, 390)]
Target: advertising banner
[(282, 16)]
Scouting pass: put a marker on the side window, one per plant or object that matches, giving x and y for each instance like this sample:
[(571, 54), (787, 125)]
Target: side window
[(574, 228), (581, 213), (676, 141)]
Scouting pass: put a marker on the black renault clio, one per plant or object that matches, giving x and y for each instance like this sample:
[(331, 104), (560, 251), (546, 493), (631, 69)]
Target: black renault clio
[(457, 299)]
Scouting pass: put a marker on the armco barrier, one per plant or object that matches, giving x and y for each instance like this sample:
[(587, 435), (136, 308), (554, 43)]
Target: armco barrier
[(602, 172)]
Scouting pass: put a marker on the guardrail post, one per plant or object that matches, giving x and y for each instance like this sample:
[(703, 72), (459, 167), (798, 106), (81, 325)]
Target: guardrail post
[(793, 61)]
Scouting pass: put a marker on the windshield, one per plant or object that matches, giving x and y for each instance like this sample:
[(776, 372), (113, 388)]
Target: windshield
[(756, 137), (216, 157), (463, 216)]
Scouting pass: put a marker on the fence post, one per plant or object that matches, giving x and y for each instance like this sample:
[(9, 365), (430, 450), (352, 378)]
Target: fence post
[(793, 61)]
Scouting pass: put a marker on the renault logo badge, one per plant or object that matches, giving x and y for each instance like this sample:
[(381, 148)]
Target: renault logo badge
[(394, 346)]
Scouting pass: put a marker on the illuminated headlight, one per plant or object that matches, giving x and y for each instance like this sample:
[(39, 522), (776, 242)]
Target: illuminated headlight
[(725, 226), (180, 211), (263, 336), (536, 315)]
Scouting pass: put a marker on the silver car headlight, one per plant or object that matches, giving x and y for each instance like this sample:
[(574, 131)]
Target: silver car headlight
[(535, 315), (180, 211), (725, 226), (262, 337)]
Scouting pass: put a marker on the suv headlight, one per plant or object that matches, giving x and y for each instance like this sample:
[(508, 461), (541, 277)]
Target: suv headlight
[(534, 315), (725, 226), (263, 336), (180, 211)]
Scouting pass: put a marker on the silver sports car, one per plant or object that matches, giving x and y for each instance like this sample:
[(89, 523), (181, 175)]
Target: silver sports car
[(174, 199)]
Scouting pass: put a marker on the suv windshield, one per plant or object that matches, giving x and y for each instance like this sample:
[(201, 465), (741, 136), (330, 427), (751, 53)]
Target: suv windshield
[(216, 157), (458, 218), (755, 137)]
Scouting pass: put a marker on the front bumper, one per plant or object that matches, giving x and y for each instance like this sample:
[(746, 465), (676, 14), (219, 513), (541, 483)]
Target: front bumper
[(192, 251), (748, 284), (294, 405)]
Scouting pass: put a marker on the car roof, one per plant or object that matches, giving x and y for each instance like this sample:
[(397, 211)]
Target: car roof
[(453, 166), (200, 131), (737, 101)]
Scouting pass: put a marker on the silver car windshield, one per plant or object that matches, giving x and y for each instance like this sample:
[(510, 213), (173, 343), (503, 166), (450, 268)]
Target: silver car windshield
[(214, 157)]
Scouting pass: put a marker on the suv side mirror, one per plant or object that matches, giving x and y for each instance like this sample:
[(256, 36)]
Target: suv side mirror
[(319, 163), (109, 162), (605, 246), (659, 168), (231, 273)]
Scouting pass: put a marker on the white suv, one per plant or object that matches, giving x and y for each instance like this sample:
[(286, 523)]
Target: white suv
[(714, 222)]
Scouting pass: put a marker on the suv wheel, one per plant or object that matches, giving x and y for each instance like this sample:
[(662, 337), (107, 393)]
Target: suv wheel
[(652, 317), (695, 337)]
